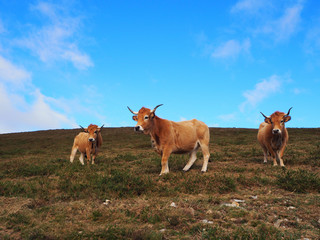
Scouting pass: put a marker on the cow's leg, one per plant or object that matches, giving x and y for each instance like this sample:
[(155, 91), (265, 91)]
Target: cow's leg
[(275, 158), (73, 153), (279, 158), (265, 154), (206, 156), (81, 158), (281, 155), (88, 152), (164, 162), (192, 159), (273, 155), (94, 153)]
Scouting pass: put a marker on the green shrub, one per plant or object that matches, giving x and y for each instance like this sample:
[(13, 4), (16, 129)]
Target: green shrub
[(301, 181), (123, 184)]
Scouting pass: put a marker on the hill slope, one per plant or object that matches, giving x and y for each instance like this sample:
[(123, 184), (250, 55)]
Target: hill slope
[(44, 196)]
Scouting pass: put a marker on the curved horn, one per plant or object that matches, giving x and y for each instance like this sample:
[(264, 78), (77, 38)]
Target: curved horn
[(136, 113), (156, 108), (264, 115), (289, 112)]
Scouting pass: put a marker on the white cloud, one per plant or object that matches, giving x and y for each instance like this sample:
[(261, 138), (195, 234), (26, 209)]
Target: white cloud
[(214, 125), (12, 74), (56, 41), (262, 90), (183, 119), (20, 114), (248, 6), (285, 26), (23, 116), (231, 49)]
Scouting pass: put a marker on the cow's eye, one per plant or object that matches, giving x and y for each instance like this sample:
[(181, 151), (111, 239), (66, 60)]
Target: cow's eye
[(146, 117), (282, 121), (95, 131)]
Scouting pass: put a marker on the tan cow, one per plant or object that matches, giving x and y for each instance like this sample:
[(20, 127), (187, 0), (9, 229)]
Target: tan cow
[(174, 137), (273, 136), (87, 143)]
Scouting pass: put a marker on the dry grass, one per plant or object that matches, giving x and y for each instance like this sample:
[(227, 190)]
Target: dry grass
[(43, 196)]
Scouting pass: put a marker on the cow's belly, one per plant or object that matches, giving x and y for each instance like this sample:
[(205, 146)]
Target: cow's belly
[(187, 148), (181, 151)]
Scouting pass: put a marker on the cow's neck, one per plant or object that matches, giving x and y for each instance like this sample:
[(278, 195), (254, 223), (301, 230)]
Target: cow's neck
[(277, 139), (93, 145), (156, 129)]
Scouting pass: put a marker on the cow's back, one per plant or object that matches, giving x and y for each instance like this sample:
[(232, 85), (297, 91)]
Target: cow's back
[(81, 141)]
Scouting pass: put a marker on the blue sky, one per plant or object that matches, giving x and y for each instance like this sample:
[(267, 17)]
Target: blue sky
[(65, 63)]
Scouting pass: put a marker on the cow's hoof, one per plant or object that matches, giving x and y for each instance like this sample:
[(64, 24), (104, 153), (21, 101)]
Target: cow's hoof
[(163, 173)]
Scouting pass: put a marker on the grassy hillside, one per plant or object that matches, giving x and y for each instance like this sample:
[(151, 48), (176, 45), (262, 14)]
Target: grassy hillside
[(44, 196)]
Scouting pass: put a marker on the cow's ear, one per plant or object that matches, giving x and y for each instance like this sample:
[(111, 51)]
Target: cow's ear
[(267, 120), (135, 118), (152, 115), (286, 118)]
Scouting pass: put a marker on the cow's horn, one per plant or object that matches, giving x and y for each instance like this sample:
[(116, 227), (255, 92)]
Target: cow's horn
[(289, 111), (264, 115), (136, 113), (102, 126), (82, 128), (156, 107)]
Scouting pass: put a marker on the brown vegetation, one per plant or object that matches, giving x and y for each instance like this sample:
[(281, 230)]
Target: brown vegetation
[(43, 196)]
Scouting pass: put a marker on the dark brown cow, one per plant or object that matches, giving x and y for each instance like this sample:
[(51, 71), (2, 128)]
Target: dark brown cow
[(273, 136), (87, 143), (174, 137)]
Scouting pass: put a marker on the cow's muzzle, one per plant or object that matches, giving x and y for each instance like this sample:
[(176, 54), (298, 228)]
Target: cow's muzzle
[(138, 128), (276, 131), (91, 139)]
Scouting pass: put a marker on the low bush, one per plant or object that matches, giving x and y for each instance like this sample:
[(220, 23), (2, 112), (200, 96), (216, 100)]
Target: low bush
[(301, 181)]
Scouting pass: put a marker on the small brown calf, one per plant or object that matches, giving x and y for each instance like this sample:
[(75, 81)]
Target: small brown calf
[(87, 142)]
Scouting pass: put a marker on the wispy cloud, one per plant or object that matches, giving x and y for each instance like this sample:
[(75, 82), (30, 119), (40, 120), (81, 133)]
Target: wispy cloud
[(12, 74), (312, 40), (231, 49), (250, 6), (56, 40), (22, 114), (183, 119), (286, 25), (261, 91), (280, 20)]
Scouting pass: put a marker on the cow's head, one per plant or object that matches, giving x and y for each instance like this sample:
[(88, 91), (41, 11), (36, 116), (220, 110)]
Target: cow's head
[(93, 131), (277, 119), (144, 119)]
